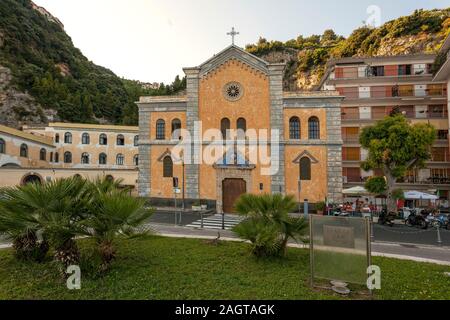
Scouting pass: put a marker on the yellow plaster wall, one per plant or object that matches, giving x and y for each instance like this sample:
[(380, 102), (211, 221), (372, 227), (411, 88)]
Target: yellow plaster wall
[(167, 117), (12, 154), (314, 190), (304, 115), (253, 106), (162, 187), (129, 150)]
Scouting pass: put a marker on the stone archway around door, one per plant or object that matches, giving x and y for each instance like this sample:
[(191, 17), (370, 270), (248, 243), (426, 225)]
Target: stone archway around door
[(231, 172)]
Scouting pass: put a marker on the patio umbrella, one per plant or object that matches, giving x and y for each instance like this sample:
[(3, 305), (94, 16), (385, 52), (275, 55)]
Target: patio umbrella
[(356, 191), (417, 195)]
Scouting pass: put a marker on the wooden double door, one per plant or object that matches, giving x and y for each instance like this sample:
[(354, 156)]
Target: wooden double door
[(231, 190)]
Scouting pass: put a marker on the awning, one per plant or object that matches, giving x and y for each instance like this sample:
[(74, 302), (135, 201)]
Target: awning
[(417, 195)]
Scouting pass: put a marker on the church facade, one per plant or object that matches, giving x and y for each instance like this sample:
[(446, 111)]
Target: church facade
[(239, 97)]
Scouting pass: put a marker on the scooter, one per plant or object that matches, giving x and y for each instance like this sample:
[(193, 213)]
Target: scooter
[(386, 218), (440, 221), (415, 219)]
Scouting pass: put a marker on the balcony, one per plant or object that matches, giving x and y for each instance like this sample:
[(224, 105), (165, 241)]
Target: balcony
[(440, 154), (351, 138), (376, 113), (396, 92)]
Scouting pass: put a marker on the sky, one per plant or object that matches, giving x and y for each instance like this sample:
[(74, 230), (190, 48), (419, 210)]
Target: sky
[(152, 40)]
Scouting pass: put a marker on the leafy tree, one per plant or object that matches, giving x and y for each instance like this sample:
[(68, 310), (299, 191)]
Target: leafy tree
[(395, 146), (376, 185)]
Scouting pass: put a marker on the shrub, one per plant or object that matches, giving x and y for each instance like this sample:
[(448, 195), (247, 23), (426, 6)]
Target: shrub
[(268, 225)]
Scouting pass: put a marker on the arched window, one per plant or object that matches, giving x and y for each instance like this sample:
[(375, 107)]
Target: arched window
[(24, 150), (2, 146), (85, 158), (67, 137), (305, 168), (56, 157), (136, 159), (167, 167), (136, 141), (67, 157), (120, 140), (294, 128), (160, 129), (85, 138), (176, 126), (103, 139), (102, 158), (224, 127), (51, 156), (120, 159), (57, 138), (43, 155), (313, 128), (241, 126)]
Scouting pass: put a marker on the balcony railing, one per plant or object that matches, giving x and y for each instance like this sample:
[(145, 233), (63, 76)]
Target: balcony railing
[(376, 113), (393, 92), (350, 138)]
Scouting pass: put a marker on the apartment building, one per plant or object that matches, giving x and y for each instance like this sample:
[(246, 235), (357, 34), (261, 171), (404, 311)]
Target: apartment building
[(59, 150), (91, 145), (375, 86), (22, 149)]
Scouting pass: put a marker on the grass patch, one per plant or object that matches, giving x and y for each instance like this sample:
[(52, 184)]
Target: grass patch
[(168, 268)]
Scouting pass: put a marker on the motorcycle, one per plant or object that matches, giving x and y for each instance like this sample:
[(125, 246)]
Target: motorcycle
[(415, 219), (440, 221), (386, 218)]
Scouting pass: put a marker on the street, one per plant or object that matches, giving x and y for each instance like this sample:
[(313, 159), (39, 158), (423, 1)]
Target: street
[(399, 233)]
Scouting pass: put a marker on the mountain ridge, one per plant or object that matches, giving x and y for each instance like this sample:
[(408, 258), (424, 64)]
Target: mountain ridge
[(44, 77)]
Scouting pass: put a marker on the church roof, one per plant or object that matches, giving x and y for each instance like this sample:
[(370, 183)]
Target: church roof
[(234, 52)]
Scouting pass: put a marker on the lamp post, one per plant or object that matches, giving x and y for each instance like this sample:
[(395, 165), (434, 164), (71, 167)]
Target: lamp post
[(182, 182)]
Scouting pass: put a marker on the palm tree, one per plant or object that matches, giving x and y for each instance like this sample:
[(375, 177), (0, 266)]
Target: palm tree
[(272, 211), (18, 224), (61, 207), (113, 212)]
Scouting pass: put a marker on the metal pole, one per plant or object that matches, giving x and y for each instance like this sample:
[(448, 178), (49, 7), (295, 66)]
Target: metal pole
[(201, 219), (369, 246), (183, 204), (223, 220), (439, 240), (175, 202), (299, 201), (371, 228), (305, 213), (311, 250)]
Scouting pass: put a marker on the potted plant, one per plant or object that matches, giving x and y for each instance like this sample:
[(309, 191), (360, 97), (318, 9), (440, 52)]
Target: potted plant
[(196, 206), (320, 207)]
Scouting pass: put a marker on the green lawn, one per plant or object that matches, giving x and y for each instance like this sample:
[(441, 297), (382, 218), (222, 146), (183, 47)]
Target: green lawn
[(167, 268)]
